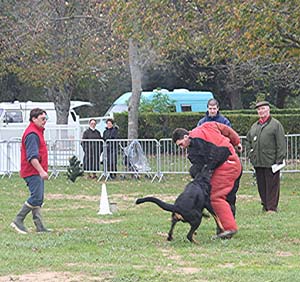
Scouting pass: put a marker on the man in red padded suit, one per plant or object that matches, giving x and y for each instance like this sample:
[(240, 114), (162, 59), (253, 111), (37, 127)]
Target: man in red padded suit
[(225, 176)]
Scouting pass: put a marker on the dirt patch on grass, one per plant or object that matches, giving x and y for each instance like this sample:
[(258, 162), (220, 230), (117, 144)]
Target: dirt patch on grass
[(53, 277), (188, 270), (227, 265), (246, 197), (105, 221), (72, 197), (177, 259), (284, 254), (178, 270), (133, 196)]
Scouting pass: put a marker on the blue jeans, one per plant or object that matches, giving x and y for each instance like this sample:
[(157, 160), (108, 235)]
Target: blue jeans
[(36, 187)]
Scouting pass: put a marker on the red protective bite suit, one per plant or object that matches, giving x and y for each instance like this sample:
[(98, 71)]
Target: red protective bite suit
[(225, 176)]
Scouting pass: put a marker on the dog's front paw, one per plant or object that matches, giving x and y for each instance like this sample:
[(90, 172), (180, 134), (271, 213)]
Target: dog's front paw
[(170, 238)]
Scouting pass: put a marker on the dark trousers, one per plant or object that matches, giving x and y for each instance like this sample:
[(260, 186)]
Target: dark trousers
[(268, 187), (231, 197)]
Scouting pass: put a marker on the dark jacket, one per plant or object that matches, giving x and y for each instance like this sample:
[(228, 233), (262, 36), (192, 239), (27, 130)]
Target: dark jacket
[(112, 147), (110, 133), (92, 150), (266, 143), (218, 118)]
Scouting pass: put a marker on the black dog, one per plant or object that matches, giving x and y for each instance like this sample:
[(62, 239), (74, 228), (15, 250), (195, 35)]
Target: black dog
[(189, 205)]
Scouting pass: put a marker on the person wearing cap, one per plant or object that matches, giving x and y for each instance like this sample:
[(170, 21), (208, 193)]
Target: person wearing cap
[(213, 114), (266, 139)]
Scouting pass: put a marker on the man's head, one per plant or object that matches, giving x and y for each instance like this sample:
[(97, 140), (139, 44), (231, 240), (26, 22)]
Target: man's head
[(212, 107), (109, 123), (263, 109), (38, 117), (92, 123), (181, 137)]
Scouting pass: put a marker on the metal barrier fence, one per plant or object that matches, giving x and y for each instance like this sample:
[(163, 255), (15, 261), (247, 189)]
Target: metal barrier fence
[(10, 156), (3, 158), (142, 157)]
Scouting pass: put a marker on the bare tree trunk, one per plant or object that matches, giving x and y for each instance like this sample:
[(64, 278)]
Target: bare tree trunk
[(136, 80), (235, 99), (61, 99), (282, 94), (233, 91)]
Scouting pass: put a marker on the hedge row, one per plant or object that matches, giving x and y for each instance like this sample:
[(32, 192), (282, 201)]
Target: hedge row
[(157, 126), (254, 112)]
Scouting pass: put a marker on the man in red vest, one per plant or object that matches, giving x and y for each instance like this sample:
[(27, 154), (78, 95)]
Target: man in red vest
[(225, 177), (34, 170)]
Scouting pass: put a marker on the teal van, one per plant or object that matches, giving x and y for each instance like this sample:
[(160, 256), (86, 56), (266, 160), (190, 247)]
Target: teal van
[(184, 100)]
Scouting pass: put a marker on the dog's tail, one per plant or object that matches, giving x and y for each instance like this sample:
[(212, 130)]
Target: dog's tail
[(165, 206)]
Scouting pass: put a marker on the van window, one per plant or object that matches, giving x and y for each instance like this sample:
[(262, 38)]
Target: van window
[(13, 117), (73, 115), (186, 108), (117, 109)]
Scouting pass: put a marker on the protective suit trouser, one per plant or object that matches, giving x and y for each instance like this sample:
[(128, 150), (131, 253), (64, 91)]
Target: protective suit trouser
[(224, 179)]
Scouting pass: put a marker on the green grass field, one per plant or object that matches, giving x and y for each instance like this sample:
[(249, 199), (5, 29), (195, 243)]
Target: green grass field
[(131, 245)]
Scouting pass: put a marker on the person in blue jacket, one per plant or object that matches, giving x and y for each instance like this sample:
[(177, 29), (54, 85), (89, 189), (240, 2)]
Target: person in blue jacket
[(213, 114)]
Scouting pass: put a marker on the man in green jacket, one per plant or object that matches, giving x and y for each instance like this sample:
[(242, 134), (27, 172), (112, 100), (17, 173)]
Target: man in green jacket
[(267, 148)]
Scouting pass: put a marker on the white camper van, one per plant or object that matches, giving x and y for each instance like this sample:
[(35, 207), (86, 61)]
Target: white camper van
[(18, 112), (14, 117)]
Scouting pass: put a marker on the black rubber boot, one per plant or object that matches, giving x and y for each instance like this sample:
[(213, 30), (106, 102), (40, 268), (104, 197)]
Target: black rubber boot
[(37, 219), (18, 223)]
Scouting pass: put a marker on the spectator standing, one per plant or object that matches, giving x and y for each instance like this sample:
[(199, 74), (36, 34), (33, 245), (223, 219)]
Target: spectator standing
[(111, 132), (92, 149), (266, 138), (34, 170), (213, 114), (225, 177)]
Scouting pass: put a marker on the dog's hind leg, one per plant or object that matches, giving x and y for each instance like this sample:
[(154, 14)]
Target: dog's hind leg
[(174, 221), (220, 227), (194, 226)]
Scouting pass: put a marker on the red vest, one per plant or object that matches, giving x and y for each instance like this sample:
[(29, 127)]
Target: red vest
[(27, 168)]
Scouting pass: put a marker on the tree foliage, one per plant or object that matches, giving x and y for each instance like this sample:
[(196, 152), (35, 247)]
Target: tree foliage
[(55, 43), (160, 103), (234, 34), (239, 48), (141, 24)]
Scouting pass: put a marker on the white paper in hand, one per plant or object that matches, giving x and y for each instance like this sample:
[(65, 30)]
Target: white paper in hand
[(276, 167)]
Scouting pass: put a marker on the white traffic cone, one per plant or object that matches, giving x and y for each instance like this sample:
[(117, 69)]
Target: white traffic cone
[(104, 204)]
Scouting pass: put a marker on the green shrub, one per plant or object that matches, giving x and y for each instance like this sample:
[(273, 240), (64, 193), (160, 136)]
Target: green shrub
[(161, 125)]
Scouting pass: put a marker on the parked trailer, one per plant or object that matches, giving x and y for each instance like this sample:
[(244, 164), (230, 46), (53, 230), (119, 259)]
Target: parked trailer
[(183, 101)]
